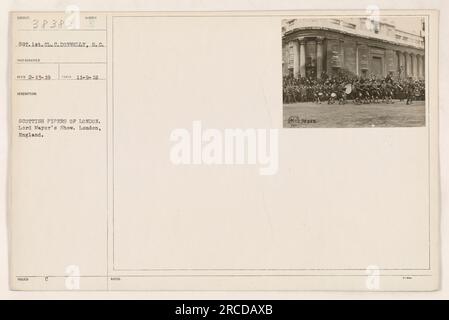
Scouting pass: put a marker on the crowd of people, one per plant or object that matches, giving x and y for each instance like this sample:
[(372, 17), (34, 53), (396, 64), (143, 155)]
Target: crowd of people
[(344, 87)]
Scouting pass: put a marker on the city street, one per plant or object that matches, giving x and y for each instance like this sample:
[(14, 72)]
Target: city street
[(350, 115)]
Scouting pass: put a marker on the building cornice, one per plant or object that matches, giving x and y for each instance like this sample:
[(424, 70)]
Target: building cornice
[(353, 34)]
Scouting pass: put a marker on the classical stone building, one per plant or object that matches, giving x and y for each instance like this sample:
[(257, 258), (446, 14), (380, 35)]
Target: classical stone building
[(359, 46)]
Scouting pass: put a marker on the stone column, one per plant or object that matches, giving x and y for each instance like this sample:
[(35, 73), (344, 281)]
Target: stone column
[(294, 50), (414, 66), (408, 64), (418, 66), (342, 54), (422, 65), (319, 56), (302, 57), (401, 64)]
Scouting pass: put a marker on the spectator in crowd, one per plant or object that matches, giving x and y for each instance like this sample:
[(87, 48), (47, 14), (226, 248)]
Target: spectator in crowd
[(343, 87)]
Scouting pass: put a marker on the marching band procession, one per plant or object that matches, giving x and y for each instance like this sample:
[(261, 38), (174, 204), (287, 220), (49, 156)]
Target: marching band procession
[(341, 88)]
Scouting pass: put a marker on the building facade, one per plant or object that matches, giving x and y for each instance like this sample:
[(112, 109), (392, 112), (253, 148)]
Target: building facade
[(358, 46)]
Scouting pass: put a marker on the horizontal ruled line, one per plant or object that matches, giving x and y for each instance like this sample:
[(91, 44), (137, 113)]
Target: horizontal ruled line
[(103, 30), (49, 62)]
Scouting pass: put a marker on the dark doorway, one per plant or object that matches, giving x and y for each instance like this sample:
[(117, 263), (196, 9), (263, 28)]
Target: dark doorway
[(377, 67)]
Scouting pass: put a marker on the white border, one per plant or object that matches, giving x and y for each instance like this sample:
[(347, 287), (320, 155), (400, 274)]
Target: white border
[(198, 5)]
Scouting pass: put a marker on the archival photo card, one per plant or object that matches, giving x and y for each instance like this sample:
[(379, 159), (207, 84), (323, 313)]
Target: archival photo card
[(224, 151)]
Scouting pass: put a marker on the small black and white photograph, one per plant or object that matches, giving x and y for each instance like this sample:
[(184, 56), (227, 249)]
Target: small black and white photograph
[(354, 72)]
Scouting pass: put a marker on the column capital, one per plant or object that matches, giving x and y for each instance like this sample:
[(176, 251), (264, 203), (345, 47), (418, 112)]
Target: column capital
[(301, 40), (319, 39)]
